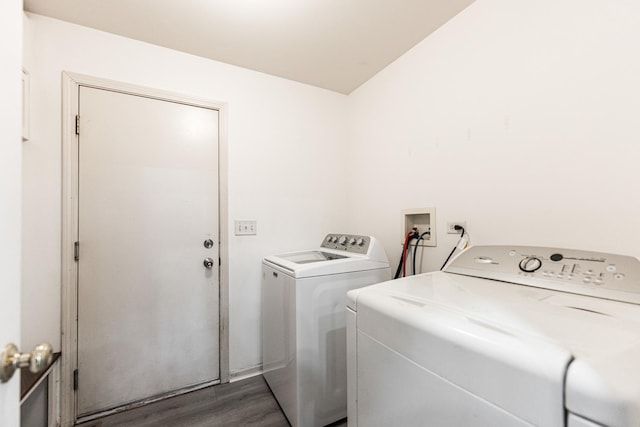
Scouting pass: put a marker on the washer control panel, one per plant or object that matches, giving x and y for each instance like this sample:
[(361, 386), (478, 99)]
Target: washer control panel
[(347, 242), (597, 274)]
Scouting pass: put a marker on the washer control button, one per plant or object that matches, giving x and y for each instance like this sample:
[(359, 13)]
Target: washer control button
[(611, 268), (556, 257)]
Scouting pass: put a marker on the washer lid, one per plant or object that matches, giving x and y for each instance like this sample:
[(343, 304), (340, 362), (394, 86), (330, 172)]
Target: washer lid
[(606, 389), (513, 345), (322, 262), (519, 373), (310, 257), (339, 253)]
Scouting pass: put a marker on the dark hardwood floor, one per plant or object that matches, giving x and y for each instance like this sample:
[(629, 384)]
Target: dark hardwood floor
[(244, 403)]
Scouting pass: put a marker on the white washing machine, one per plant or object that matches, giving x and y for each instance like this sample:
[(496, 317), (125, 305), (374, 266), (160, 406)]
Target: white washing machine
[(505, 336), (304, 329)]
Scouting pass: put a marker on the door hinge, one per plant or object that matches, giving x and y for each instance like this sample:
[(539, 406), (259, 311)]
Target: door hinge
[(77, 124), (75, 379), (76, 251)]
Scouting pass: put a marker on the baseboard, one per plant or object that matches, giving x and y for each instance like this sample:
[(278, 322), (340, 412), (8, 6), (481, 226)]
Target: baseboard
[(243, 374)]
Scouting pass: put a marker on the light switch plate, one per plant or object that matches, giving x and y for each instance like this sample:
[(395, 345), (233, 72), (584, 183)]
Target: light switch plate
[(246, 227)]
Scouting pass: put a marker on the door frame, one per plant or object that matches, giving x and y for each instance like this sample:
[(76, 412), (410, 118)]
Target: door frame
[(71, 83)]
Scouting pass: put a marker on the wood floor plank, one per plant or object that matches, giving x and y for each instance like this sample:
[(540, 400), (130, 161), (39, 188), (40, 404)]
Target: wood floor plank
[(243, 403)]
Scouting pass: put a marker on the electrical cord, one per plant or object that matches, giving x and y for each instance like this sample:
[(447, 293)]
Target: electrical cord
[(415, 249), (456, 227)]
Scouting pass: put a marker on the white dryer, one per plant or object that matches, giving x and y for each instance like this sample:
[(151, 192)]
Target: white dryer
[(304, 329), (504, 336)]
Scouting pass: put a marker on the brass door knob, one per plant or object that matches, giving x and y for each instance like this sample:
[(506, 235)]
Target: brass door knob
[(11, 360)]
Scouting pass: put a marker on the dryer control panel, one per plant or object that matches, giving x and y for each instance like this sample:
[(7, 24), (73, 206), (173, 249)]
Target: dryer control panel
[(347, 242), (602, 275)]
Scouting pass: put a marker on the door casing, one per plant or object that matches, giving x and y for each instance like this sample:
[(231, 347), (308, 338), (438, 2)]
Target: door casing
[(71, 83)]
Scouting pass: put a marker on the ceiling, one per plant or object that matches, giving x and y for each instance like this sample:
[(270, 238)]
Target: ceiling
[(333, 44)]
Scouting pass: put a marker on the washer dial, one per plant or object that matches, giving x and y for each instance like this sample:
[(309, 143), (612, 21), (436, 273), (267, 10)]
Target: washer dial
[(530, 264)]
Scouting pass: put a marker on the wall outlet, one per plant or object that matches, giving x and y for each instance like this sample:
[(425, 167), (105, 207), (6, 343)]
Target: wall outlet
[(451, 225), (246, 228)]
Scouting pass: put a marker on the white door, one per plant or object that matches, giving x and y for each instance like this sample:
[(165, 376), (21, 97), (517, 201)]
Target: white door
[(10, 210), (148, 203), (9, 275)]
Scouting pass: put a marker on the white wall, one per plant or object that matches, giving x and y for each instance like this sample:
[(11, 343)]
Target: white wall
[(519, 117), (286, 145), (10, 152)]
